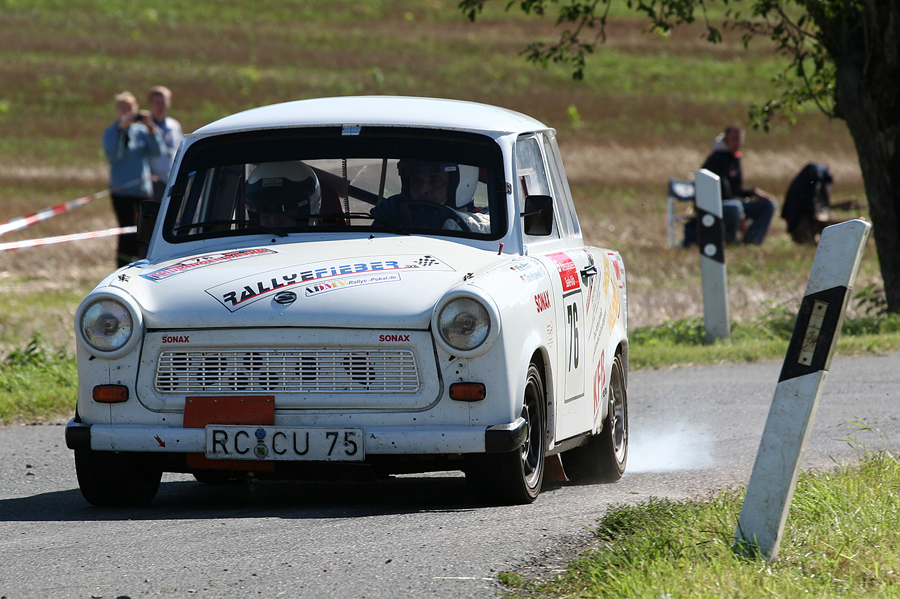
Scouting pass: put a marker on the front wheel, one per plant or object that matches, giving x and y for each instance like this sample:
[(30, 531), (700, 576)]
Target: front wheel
[(603, 458), (515, 477), (116, 479)]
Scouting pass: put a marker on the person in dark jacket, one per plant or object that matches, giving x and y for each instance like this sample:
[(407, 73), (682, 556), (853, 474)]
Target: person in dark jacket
[(746, 211), (807, 204)]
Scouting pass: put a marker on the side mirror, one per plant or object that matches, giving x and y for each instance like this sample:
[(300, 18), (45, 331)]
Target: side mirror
[(538, 215), (147, 213)]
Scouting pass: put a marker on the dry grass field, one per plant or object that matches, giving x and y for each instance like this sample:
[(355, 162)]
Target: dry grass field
[(648, 110)]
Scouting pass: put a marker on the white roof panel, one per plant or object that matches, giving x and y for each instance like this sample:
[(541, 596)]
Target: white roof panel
[(394, 111)]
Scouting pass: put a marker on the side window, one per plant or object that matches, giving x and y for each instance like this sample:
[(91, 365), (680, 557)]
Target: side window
[(531, 178), (564, 205)]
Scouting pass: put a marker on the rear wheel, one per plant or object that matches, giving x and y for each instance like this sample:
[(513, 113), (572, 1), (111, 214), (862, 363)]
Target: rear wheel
[(516, 476), (116, 479), (603, 458)]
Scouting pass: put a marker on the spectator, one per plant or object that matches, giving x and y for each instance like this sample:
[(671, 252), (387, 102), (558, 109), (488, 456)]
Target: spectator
[(746, 211), (807, 204), (129, 143), (160, 99)]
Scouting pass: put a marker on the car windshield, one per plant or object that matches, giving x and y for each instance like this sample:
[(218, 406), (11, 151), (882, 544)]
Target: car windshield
[(328, 180)]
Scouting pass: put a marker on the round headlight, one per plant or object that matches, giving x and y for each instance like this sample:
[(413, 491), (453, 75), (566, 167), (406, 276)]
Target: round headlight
[(107, 325), (464, 323)]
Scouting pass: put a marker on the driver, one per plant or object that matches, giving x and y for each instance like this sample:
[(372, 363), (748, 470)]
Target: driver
[(450, 187), (282, 194)]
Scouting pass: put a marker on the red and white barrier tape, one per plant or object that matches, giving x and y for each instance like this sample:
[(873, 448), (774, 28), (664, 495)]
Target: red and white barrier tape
[(26, 221), (28, 243)]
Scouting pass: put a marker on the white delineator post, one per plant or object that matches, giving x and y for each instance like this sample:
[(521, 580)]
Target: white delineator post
[(806, 364), (711, 239)]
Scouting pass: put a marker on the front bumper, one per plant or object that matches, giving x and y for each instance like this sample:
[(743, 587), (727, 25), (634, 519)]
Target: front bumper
[(383, 440)]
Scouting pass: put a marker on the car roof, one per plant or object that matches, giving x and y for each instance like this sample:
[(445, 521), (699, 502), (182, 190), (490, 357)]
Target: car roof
[(390, 111)]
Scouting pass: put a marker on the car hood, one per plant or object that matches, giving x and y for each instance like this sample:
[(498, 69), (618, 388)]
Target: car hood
[(390, 282)]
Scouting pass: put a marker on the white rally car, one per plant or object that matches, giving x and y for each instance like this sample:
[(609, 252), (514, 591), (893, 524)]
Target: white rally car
[(357, 287)]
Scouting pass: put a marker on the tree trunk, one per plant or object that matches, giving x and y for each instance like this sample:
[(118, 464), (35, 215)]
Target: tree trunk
[(866, 52)]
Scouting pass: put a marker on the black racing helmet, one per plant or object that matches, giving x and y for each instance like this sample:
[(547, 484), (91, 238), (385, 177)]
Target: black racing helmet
[(283, 186)]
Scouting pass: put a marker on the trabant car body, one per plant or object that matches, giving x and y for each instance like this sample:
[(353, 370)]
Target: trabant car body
[(374, 331)]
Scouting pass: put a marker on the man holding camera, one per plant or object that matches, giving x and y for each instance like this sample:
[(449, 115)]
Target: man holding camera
[(130, 143)]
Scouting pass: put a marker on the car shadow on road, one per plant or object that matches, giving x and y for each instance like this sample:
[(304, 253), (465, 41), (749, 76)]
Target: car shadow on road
[(182, 499)]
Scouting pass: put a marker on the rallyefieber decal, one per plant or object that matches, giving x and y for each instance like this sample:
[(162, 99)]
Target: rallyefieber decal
[(201, 261), (319, 278)]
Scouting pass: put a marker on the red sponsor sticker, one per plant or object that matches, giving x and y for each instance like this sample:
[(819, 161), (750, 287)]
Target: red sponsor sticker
[(615, 261), (568, 274)]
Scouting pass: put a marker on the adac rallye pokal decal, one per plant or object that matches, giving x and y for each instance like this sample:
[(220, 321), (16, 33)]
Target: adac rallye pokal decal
[(310, 280)]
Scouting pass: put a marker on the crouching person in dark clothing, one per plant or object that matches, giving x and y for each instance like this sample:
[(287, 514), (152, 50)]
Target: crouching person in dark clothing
[(807, 204)]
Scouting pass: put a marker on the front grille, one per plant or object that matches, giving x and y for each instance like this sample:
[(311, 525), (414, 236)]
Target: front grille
[(287, 371)]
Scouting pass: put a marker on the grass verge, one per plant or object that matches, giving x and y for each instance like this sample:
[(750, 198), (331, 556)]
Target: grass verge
[(764, 338), (37, 383), (840, 541)]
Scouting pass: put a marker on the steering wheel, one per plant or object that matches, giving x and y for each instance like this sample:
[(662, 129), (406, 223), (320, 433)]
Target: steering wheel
[(429, 214)]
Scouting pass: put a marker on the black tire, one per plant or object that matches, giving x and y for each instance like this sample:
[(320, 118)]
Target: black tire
[(515, 477), (603, 458), (116, 479)]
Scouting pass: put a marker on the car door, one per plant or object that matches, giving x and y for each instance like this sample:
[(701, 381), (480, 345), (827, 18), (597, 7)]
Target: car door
[(573, 408)]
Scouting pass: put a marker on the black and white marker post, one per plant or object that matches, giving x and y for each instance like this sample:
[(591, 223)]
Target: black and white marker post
[(806, 364), (711, 239)]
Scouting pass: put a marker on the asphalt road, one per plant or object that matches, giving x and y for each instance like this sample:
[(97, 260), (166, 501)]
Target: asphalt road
[(693, 431)]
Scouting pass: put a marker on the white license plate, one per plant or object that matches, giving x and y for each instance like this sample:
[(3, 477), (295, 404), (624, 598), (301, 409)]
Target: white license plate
[(228, 442)]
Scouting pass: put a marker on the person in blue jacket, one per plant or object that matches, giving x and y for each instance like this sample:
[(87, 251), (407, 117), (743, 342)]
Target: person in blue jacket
[(130, 142)]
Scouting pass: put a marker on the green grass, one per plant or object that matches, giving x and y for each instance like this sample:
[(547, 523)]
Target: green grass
[(37, 383), (840, 541), (56, 307), (62, 62), (662, 355), (765, 338)]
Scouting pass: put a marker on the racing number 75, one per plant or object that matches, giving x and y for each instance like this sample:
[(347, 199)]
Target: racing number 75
[(350, 446), (572, 321)]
